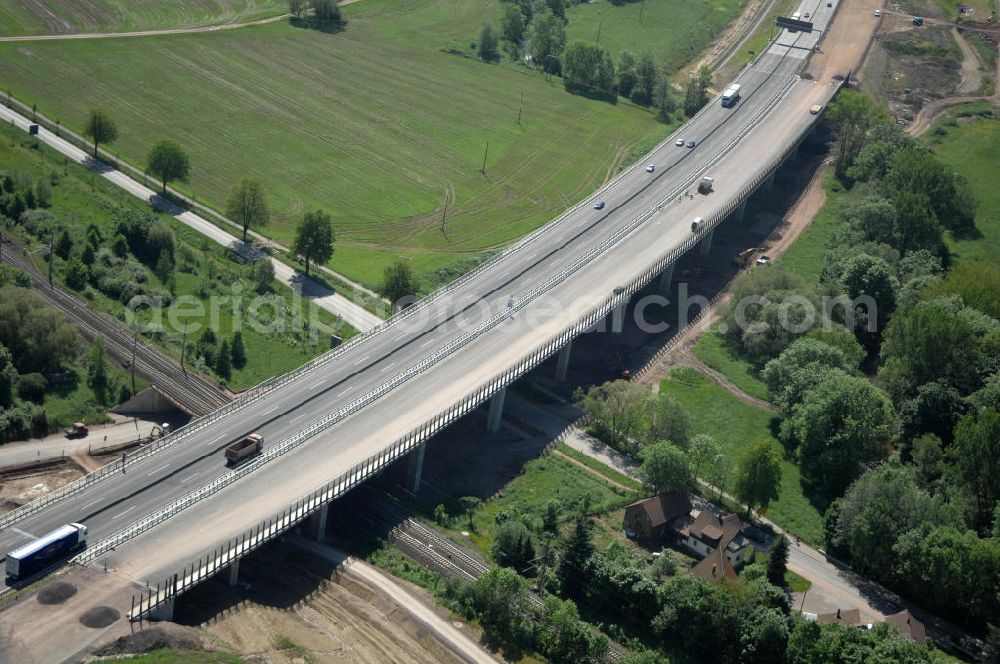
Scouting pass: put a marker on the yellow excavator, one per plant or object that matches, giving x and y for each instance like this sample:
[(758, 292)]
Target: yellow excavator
[(742, 259)]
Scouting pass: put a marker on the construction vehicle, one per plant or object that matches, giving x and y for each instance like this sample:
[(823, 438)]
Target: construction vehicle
[(918, 20), (742, 259), (36, 556), (706, 184), (623, 373), (244, 449), (78, 430)]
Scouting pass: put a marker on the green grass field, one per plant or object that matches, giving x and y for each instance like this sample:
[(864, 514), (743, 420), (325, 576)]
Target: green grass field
[(712, 349), (735, 425), (806, 257), (674, 31), (376, 124), (81, 198), (174, 656), (970, 146), (546, 478), (69, 16)]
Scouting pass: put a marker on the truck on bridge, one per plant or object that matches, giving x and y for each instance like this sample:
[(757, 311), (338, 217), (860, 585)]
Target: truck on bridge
[(247, 447), (35, 556), (731, 95)]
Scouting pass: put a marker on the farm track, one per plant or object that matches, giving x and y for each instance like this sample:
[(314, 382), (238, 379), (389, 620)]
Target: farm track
[(192, 392), (435, 551)]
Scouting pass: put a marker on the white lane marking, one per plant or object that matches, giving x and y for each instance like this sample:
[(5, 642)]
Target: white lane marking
[(296, 419), (95, 500), (343, 392), (386, 367), (357, 362), (123, 513), (269, 411), (22, 533), (153, 472), (317, 385), (428, 342), (189, 477)]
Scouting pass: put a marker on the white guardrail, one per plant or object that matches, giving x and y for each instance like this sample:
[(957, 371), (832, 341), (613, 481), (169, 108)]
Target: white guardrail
[(424, 431)]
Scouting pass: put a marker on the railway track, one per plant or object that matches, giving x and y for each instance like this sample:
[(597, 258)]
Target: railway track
[(190, 391), (432, 549)]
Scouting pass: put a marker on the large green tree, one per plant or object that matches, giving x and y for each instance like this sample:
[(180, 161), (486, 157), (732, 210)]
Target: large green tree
[(168, 162), (840, 424), (975, 459), (758, 476), (615, 412), (100, 128), (247, 205), (854, 114), (546, 39), (665, 467), (398, 282), (314, 238)]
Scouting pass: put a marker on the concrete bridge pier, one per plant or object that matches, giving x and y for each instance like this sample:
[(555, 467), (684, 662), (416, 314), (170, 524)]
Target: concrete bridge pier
[(768, 183), (666, 278), (234, 573), (705, 245), (496, 410), (740, 213), (618, 317), (318, 520), (414, 469), (562, 362)]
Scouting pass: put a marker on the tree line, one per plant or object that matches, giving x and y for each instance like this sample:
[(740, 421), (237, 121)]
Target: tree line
[(890, 403), (533, 33)]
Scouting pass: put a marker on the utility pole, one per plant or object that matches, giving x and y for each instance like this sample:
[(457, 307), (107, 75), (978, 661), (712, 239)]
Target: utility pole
[(641, 7), (483, 169), (184, 349), (519, 107), (599, 26), (52, 240), (135, 343)]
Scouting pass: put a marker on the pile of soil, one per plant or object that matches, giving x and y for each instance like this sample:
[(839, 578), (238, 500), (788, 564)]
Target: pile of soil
[(148, 640), (100, 617), (56, 593)]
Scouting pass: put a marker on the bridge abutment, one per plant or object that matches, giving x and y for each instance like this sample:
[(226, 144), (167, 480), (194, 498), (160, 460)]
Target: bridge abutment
[(496, 410), (562, 362)]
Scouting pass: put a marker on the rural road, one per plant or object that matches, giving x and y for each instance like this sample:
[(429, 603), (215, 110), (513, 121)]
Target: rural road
[(355, 315), (454, 639)]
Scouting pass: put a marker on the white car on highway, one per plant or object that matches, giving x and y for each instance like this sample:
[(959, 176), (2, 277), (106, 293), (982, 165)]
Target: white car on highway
[(679, 142), (650, 168)]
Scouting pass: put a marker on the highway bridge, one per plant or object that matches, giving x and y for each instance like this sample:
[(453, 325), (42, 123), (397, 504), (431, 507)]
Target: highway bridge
[(346, 415)]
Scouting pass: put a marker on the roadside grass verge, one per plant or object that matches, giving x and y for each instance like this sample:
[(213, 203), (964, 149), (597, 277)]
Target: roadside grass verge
[(547, 478), (674, 31), (376, 124), (599, 467), (735, 425), (214, 282), (712, 349), (175, 656), (71, 16)]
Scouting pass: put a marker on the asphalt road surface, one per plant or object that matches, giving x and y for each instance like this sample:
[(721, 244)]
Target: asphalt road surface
[(111, 505)]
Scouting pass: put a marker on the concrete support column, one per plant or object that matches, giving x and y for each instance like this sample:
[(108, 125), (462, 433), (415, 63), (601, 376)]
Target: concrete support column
[(768, 183), (416, 467), (706, 244), (666, 278), (562, 362), (319, 522), (496, 410), (234, 573), (740, 212), (618, 318)]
